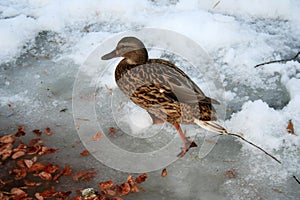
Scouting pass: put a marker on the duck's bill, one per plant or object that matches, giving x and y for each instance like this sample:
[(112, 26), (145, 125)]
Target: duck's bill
[(110, 55)]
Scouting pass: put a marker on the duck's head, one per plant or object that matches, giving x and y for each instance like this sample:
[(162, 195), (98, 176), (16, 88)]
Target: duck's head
[(132, 49)]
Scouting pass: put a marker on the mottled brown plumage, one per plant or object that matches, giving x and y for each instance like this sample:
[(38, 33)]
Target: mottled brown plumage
[(162, 89)]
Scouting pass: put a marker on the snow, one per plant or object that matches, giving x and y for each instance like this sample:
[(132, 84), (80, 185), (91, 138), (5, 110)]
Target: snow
[(14, 33), (45, 42)]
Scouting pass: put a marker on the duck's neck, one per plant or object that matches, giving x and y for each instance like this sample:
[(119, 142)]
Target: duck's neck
[(131, 60)]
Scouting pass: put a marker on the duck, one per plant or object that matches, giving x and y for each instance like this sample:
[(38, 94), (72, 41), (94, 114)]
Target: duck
[(165, 91)]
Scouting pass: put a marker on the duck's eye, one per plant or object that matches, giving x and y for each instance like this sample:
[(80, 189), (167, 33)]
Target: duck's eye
[(122, 47)]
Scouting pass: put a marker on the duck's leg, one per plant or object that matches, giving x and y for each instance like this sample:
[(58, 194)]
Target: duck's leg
[(155, 119), (187, 143)]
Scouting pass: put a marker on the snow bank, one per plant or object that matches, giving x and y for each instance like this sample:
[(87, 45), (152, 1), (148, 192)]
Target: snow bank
[(14, 33)]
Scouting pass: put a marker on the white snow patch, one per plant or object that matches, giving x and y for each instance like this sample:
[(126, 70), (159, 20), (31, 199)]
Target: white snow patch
[(14, 32)]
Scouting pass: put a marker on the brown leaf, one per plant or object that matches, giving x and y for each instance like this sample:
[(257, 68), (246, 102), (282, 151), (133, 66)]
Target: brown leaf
[(164, 172), (112, 130), (51, 168), (141, 178), (231, 173), (37, 132), (85, 153), (84, 175), (290, 128), (45, 176), (38, 196), (116, 198), (34, 149), (21, 128), (18, 154), (97, 136), (18, 192), (20, 132), (32, 183), (36, 167), (110, 192), (124, 189), (67, 170), (133, 186), (19, 173), (48, 193), (59, 174), (28, 163), (63, 195), (6, 154), (46, 150), (7, 139), (106, 184), (48, 131)]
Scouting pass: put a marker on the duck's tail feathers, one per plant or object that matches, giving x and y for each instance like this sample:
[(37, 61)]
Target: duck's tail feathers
[(213, 126)]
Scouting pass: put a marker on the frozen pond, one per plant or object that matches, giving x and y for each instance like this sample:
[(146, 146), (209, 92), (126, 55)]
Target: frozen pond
[(44, 44)]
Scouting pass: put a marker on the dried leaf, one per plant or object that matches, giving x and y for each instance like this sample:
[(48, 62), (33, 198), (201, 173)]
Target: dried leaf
[(21, 128), (6, 154), (133, 186), (97, 136), (164, 172), (48, 193), (84, 175), (67, 170), (36, 167), (124, 189), (7, 139), (45, 176), (37, 132), (32, 183), (19, 173), (48, 131), (112, 130), (18, 192), (77, 198), (28, 163), (106, 184), (46, 150), (110, 192), (34, 149), (20, 132), (38, 196), (59, 174), (85, 153), (18, 154), (51, 168), (290, 128), (231, 173), (5, 148), (116, 198), (141, 178)]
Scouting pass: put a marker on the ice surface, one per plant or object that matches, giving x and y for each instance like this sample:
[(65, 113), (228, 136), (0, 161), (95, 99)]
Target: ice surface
[(43, 44)]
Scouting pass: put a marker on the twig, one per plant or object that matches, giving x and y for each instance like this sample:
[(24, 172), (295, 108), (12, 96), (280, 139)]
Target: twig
[(216, 4), (296, 179), (278, 61), (236, 135)]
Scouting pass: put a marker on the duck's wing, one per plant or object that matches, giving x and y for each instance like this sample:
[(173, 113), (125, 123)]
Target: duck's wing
[(181, 86)]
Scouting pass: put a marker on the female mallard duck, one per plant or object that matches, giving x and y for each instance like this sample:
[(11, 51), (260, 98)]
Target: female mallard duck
[(161, 88)]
